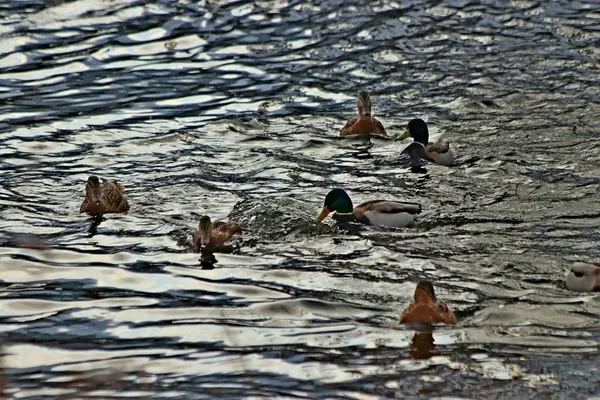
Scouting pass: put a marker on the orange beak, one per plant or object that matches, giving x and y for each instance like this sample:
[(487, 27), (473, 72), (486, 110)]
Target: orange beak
[(324, 212)]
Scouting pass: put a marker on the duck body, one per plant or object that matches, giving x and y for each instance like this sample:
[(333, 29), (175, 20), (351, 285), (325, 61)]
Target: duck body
[(364, 123), (583, 277), (214, 234), (438, 152), (425, 308), (105, 197), (374, 212)]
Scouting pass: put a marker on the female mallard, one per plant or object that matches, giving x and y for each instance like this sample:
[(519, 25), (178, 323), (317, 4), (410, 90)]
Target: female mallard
[(373, 212), (364, 123), (214, 234), (583, 277), (425, 308), (106, 198), (438, 152)]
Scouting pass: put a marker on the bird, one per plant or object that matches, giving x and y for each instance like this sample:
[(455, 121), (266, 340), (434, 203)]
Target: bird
[(374, 212), (365, 123), (425, 308), (438, 152), (107, 197), (214, 234), (583, 277)]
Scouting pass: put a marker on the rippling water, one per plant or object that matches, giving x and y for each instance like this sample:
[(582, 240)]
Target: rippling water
[(233, 108)]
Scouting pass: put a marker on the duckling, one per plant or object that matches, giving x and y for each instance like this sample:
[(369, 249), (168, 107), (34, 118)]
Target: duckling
[(106, 198), (583, 277), (425, 308), (214, 234), (373, 212), (364, 123), (438, 152)]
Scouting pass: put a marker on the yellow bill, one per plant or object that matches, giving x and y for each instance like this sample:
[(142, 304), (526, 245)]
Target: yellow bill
[(404, 135), (324, 212)]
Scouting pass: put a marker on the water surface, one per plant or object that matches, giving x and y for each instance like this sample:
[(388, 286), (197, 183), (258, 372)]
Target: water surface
[(232, 109)]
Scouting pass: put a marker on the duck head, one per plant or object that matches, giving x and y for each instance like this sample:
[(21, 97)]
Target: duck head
[(93, 189), (417, 128), (204, 230), (424, 293), (364, 103), (336, 200)]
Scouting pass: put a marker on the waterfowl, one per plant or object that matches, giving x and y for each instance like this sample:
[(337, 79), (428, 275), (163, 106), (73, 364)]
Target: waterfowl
[(214, 234), (106, 198), (425, 308), (438, 152), (373, 212), (364, 123), (583, 277)]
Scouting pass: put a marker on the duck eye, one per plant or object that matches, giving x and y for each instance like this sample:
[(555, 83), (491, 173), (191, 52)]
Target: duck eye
[(578, 274)]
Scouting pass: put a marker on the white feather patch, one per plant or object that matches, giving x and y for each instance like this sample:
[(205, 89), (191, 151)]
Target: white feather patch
[(446, 159), (398, 220)]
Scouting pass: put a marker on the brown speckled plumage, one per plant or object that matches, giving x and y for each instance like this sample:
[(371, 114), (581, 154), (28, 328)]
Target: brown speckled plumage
[(105, 197), (218, 232)]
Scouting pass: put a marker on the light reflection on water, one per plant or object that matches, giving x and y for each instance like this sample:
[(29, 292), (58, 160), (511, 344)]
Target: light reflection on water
[(232, 109)]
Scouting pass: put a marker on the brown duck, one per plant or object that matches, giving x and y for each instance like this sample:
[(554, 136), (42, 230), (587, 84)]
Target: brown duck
[(214, 234), (107, 197), (425, 308), (365, 123)]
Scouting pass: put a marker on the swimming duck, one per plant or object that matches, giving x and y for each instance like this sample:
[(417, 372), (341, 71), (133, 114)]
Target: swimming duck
[(106, 198), (214, 234), (583, 277), (364, 123), (438, 152), (373, 212), (426, 308)]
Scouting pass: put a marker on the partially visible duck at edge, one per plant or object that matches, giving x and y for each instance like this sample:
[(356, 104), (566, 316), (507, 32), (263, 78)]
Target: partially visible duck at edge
[(438, 152), (583, 277), (214, 234), (425, 308), (373, 212), (108, 197), (365, 123)]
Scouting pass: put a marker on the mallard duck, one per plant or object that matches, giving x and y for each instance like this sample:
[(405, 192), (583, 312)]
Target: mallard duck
[(438, 152), (364, 123), (425, 308), (214, 234), (106, 198), (373, 212), (583, 277)]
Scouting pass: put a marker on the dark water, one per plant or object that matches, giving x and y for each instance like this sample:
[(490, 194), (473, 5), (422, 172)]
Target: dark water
[(232, 108)]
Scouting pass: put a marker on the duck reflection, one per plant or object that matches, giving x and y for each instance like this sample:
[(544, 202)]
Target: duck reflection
[(95, 221), (421, 345)]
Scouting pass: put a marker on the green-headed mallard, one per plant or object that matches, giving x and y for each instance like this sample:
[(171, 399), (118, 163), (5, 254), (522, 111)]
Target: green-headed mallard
[(106, 198), (425, 308), (438, 152), (373, 212), (364, 123), (214, 234), (583, 277)]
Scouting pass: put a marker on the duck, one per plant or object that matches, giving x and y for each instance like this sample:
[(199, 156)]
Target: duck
[(108, 197), (373, 212), (439, 152), (365, 123), (583, 277), (214, 234), (425, 308)]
